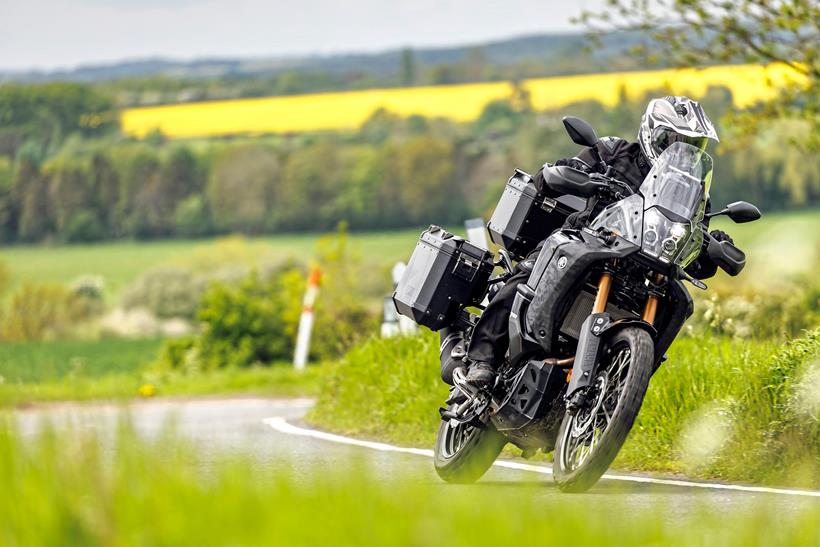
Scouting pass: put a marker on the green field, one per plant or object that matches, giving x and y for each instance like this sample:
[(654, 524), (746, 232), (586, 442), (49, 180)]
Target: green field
[(70, 488), (780, 244), (122, 369)]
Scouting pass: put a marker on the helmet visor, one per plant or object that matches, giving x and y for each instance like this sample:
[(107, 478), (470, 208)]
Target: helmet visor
[(663, 137)]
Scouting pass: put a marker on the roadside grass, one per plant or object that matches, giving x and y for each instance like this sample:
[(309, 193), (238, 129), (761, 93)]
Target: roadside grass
[(121, 369), (73, 488), (718, 408)]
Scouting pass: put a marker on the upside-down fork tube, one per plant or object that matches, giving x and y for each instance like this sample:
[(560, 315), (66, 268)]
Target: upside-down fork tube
[(650, 310), (589, 341)]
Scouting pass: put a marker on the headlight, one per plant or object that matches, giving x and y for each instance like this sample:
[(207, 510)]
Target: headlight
[(663, 238)]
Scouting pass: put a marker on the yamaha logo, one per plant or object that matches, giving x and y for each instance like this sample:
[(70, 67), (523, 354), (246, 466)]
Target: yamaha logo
[(562, 263)]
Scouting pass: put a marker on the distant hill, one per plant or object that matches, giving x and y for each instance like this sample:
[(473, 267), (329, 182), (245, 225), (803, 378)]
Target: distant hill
[(554, 53)]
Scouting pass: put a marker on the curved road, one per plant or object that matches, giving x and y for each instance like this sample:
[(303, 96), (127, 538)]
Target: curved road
[(244, 426)]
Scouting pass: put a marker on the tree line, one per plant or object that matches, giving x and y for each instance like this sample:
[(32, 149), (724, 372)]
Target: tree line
[(68, 175)]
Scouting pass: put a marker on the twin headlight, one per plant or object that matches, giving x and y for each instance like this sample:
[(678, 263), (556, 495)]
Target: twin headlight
[(663, 238)]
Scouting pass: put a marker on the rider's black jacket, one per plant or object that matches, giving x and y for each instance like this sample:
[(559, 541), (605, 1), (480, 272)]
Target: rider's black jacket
[(628, 164)]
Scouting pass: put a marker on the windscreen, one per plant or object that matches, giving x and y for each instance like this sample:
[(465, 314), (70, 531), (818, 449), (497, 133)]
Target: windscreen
[(679, 182)]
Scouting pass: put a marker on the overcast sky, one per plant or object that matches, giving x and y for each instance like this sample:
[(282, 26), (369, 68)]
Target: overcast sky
[(48, 34)]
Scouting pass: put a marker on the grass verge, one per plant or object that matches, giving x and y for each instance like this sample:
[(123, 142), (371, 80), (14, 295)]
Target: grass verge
[(70, 488), (118, 369), (719, 408)]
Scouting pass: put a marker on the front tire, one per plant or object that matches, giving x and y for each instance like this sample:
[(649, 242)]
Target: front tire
[(589, 439), (463, 452)]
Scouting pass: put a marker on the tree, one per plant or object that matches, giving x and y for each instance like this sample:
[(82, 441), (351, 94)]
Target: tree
[(242, 189), (697, 32), (408, 67)]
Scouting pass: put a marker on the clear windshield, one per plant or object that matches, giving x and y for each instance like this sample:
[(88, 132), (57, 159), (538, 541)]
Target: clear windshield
[(662, 217), (679, 182)]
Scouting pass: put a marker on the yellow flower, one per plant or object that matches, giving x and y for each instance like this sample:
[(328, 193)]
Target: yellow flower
[(147, 390)]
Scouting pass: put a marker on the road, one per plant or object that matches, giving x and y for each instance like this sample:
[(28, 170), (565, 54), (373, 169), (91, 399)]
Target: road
[(243, 426)]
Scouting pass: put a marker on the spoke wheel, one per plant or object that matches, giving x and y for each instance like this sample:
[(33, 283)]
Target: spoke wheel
[(463, 452), (590, 438)]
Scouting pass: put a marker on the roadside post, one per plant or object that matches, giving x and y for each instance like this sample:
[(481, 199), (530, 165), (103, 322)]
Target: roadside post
[(477, 235), (300, 355), (392, 323)]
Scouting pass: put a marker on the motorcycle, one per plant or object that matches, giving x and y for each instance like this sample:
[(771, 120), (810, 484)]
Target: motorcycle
[(590, 326)]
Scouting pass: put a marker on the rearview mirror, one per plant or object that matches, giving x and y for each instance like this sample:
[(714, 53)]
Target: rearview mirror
[(580, 131), (742, 211), (739, 212)]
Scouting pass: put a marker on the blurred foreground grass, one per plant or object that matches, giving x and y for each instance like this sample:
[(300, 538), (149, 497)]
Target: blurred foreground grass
[(66, 489), (120, 369)]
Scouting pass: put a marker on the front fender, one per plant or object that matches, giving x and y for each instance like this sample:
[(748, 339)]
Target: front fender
[(621, 324)]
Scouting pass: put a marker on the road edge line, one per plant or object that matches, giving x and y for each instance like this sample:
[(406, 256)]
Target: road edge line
[(281, 425)]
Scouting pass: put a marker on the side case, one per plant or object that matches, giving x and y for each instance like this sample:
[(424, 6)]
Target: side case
[(524, 216), (444, 274)]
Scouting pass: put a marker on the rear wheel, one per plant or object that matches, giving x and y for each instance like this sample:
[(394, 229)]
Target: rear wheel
[(590, 438), (463, 452)]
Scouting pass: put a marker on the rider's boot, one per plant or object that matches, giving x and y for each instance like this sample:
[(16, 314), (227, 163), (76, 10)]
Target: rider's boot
[(481, 375)]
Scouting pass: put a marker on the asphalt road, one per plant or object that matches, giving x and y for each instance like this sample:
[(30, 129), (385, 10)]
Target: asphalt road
[(226, 426)]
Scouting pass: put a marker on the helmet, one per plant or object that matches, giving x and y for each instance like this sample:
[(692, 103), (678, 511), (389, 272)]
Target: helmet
[(674, 119)]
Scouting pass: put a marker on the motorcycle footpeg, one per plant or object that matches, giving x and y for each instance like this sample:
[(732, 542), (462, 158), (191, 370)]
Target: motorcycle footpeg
[(456, 397), (461, 383)]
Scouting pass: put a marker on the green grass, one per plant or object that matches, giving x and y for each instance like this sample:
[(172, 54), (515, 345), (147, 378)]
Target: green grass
[(719, 408), (119, 263), (40, 362), (118, 369), (68, 488)]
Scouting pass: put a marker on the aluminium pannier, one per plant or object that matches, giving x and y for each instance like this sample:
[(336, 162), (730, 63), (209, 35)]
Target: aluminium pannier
[(526, 216), (445, 274)]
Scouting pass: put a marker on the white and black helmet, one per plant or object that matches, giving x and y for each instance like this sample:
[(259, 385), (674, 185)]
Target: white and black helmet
[(674, 119)]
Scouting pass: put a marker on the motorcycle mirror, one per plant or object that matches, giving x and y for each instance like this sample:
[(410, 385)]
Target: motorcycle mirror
[(739, 211), (580, 131), (742, 211)]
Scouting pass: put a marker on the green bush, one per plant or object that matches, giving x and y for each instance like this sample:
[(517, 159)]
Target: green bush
[(42, 311), (191, 217), (243, 325), (84, 227), (166, 291)]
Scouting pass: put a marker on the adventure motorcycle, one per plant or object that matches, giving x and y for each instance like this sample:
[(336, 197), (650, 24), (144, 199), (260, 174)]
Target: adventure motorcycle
[(590, 326)]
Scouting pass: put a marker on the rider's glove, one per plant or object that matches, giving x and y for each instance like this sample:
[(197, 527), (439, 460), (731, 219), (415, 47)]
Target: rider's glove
[(720, 235)]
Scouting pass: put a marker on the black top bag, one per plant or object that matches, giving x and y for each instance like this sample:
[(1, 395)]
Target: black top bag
[(445, 274), (526, 215)]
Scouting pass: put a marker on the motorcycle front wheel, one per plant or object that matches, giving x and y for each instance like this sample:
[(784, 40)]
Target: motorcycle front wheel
[(463, 452), (590, 438)]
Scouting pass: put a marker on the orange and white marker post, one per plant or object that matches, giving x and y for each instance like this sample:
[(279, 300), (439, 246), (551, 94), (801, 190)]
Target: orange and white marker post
[(300, 356)]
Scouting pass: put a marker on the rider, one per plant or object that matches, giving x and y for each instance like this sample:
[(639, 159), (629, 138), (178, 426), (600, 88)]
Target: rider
[(666, 120)]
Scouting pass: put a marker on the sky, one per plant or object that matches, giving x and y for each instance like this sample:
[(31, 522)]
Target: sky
[(52, 34)]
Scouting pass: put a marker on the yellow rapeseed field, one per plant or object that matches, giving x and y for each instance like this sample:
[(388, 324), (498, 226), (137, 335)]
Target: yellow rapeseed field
[(348, 110)]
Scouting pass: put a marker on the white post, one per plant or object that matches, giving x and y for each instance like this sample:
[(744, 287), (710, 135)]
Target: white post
[(477, 235), (477, 232), (300, 355)]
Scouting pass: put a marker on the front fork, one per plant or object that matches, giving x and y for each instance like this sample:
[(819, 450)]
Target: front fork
[(593, 329)]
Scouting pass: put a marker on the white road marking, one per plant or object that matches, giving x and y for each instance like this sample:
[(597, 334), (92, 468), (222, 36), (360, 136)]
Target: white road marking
[(281, 424)]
